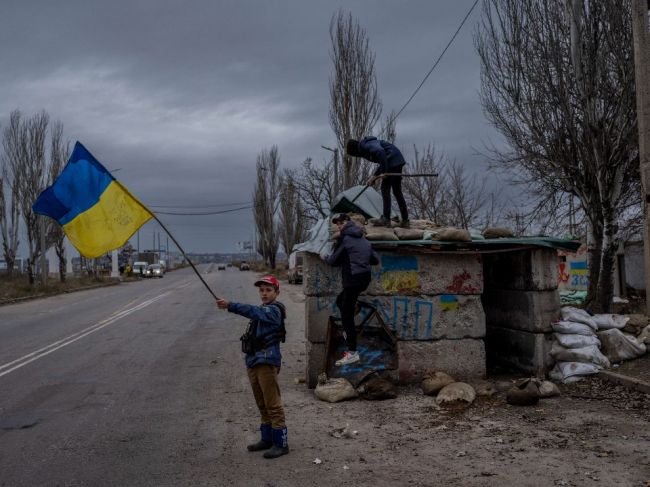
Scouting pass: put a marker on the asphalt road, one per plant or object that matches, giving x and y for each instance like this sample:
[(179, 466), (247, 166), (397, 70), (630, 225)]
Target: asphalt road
[(136, 384)]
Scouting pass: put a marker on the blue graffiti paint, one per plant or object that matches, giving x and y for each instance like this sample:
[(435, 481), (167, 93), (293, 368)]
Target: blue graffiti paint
[(428, 326), (399, 263)]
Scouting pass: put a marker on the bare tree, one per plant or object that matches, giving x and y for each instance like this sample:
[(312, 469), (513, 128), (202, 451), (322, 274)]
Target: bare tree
[(292, 222), (265, 200), (426, 197), (58, 152), (9, 211), (355, 107), (315, 185), (389, 128), (466, 196), (557, 81), (24, 141)]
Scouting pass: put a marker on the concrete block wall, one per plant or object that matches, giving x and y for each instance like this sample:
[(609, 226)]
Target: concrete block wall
[(431, 302), (521, 300)]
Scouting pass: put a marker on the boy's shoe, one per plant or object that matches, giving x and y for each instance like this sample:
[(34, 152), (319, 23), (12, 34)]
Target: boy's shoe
[(405, 224), (280, 446), (383, 222), (348, 358), (266, 440)]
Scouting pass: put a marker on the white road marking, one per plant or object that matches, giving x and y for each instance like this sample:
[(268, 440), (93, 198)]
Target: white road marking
[(42, 352)]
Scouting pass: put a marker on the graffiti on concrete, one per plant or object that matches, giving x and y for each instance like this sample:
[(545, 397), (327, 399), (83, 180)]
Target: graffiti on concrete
[(410, 318), (399, 274), (573, 271), (449, 302), (460, 285)]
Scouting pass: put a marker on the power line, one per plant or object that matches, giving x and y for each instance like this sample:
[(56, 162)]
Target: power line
[(201, 206), (203, 213), (434, 64)]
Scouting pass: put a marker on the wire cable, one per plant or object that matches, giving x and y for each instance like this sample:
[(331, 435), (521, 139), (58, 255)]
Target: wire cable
[(192, 207), (435, 64), (204, 213)]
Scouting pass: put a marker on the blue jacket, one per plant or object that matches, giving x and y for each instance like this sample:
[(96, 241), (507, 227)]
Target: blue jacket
[(354, 255), (269, 318), (381, 152)]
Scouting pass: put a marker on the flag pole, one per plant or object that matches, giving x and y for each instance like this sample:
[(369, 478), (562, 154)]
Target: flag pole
[(184, 254)]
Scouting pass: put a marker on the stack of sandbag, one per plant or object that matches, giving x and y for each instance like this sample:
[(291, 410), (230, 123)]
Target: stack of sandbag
[(576, 348), (450, 234), (616, 344), (496, 232)]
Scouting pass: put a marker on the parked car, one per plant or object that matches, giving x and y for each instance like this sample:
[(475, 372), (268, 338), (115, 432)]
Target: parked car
[(295, 268), (139, 268), (154, 270), (221, 267), (244, 266)]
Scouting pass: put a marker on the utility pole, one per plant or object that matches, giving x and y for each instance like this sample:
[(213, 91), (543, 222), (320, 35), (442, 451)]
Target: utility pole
[(641, 38), (43, 249), (336, 168)]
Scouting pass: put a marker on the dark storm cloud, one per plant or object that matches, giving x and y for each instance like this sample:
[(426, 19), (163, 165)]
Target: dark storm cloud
[(182, 96)]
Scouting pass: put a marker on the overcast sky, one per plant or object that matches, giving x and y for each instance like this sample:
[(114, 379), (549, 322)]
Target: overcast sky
[(182, 96)]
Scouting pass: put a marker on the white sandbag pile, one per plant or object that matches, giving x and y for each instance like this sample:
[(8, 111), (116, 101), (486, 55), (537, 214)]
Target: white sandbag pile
[(585, 344), (576, 348)]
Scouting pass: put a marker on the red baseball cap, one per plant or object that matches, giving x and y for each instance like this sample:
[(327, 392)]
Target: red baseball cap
[(268, 280)]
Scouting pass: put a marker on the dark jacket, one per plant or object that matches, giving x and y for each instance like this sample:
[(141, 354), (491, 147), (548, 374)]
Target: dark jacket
[(354, 254), (269, 322), (381, 152)]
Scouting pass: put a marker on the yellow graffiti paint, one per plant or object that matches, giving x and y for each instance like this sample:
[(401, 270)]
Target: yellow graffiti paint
[(448, 302), (401, 282)]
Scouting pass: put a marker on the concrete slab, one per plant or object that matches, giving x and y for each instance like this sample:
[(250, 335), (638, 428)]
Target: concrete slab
[(462, 359), (522, 350), (402, 274), (526, 270), (409, 317), (531, 311)]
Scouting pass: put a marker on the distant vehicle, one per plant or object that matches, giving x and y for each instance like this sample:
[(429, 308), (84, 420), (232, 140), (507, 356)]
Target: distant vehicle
[(244, 266), (221, 267), (139, 268), (295, 268), (154, 270)]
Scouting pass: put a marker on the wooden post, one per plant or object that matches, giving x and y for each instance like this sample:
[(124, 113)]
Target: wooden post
[(641, 39)]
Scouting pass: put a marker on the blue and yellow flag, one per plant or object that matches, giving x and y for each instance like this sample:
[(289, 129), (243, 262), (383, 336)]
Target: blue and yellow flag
[(96, 212)]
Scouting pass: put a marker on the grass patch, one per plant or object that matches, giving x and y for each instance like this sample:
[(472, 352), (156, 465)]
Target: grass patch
[(18, 287)]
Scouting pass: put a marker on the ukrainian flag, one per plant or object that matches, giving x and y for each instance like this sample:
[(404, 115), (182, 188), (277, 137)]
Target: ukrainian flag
[(96, 212)]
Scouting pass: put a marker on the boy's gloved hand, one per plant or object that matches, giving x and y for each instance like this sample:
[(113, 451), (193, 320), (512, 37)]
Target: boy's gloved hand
[(324, 256), (222, 304)]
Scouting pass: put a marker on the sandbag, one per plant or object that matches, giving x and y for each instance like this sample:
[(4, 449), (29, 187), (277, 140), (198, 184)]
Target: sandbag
[(575, 340), (635, 324), (335, 390), (590, 354), (358, 219), (452, 234), (409, 233), (456, 392), (380, 233), (422, 224), (617, 346), (577, 315), (498, 233), (548, 389), (572, 371), (609, 321), (644, 336), (573, 328), (434, 381), (377, 389), (524, 393)]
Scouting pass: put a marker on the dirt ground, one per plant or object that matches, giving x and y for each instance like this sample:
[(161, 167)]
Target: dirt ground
[(595, 433)]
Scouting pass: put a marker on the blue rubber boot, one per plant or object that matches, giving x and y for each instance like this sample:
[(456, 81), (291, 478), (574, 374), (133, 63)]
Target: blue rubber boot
[(280, 446), (267, 439)]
